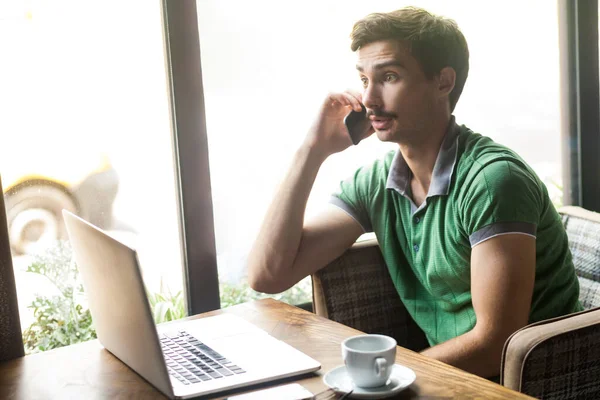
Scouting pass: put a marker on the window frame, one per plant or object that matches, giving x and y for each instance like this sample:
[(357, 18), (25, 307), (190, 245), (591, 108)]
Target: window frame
[(190, 146)]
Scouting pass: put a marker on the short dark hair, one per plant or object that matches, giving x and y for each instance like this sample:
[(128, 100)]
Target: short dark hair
[(436, 42)]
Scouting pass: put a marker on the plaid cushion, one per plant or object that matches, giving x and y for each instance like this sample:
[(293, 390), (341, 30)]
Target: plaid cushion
[(589, 293), (566, 366), (584, 242), (358, 292)]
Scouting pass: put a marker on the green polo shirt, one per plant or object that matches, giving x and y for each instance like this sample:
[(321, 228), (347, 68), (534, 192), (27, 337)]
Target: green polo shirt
[(479, 190)]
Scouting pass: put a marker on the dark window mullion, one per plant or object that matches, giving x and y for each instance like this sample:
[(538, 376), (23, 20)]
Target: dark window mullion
[(580, 102), (182, 42)]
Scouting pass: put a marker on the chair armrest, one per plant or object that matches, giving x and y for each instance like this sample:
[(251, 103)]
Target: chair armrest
[(356, 290), (555, 358)]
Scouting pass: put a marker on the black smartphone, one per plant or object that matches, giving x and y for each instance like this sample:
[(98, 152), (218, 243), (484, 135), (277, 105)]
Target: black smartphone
[(357, 124)]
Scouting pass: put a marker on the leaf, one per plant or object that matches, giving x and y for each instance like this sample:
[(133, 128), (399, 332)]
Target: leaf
[(160, 310), (59, 320)]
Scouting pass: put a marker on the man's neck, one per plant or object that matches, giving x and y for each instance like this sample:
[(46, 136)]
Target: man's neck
[(421, 156)]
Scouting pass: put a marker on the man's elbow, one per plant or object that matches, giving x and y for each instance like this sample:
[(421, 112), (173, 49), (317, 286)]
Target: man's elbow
[(491, 342), (259, 281), (257, 284), (255, 269), (265, 286), (264, 274), (254, 280)]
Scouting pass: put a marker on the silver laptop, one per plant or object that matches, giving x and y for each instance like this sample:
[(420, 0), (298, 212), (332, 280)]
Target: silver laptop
[(182, 359)]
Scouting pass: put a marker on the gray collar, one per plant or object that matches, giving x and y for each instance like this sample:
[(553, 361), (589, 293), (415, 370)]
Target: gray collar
[(399, 175)]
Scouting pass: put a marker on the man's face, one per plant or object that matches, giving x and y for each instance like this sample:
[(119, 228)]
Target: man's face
[(398, 96)]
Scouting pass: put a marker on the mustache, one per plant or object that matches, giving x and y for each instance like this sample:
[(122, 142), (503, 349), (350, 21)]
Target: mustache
[(381, 113)]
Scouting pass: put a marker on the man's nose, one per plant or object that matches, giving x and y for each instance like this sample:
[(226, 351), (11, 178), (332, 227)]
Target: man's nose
[(371, 98)]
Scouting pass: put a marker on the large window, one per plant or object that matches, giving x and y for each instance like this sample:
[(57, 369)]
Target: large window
[(85, 126), (86, 123), (267, 66)]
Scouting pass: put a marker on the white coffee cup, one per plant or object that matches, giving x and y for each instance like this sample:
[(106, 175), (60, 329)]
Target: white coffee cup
[(369, 359)]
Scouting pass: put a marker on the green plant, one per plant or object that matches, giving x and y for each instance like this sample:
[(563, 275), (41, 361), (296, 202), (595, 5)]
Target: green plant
[(167, 307), (62, 319)]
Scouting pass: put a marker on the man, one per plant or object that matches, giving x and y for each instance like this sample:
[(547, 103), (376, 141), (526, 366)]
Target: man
[(474, 246)]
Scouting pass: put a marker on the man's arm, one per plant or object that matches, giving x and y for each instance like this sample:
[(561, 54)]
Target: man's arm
[(287, 249), (502, 279)]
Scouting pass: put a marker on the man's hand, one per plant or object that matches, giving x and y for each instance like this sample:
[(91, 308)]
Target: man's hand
[(328, 134)]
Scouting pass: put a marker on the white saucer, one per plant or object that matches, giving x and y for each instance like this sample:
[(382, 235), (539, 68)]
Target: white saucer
[(400, 379)]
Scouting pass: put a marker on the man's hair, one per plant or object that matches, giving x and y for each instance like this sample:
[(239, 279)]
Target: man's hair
[(435, 42)]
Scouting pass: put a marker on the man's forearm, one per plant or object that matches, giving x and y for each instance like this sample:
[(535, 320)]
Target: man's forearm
[(470, 352), (279, 238)]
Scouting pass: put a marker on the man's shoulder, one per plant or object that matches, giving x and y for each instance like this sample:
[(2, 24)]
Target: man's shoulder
[(488, 170), (480, 154), (476, 148)]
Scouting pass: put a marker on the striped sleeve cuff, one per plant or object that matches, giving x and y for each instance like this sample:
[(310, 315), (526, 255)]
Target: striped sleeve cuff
[(502, 228), (363, 220)]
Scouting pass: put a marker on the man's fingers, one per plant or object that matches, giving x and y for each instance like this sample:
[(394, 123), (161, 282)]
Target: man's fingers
[(354, 101), (336, 98), (356, 94), (345, 99)]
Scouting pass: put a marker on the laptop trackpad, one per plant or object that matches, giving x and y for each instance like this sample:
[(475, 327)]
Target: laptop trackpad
[(259, 353)]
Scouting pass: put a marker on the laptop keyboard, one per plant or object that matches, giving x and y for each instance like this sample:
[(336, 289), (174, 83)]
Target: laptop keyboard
[(191, 361)]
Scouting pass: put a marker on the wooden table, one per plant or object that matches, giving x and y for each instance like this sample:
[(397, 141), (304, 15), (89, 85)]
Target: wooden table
[(87, 371)]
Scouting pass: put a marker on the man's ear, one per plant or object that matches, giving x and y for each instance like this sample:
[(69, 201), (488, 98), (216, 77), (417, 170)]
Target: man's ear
[(446, 81)]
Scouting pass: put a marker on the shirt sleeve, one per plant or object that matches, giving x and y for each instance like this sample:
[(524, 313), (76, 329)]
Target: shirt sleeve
[(504, 197), (352, 197)]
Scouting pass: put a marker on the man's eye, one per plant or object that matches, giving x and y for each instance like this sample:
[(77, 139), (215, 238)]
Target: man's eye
[(364, 81), (390, 77)]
